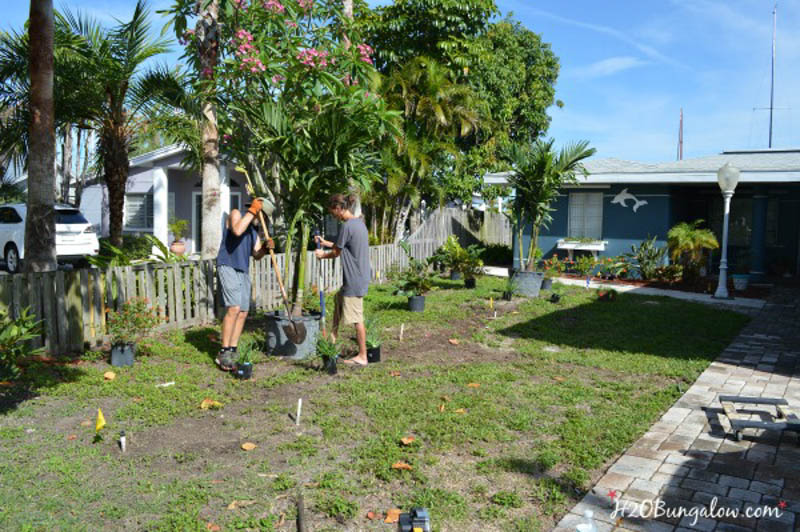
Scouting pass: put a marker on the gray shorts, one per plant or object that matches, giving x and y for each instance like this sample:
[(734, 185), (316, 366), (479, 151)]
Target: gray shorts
[(235, 287)]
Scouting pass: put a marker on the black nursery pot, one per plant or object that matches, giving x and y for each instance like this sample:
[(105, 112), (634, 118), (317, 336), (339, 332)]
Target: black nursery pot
[(416, 303), (373, 354), (330, 365), (508, 296), (547, 284), (244, 370), (123, 354), (469, 283), (455, 276)]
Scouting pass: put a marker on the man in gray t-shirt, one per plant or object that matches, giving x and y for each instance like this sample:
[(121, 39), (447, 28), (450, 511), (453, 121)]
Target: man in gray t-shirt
[(352, 245)]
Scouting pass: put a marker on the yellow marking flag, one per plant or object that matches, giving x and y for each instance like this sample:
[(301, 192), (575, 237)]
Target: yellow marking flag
[(101, 421)]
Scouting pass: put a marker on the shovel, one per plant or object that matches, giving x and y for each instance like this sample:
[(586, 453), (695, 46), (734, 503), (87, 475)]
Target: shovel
[(321, 295), (295, 331)]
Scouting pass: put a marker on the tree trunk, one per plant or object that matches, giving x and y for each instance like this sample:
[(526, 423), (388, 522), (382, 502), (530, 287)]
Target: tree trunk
[(40, 228), (208, 42), (66, 164), (117, 167), (300, 278), (405, 209), (82, 167)]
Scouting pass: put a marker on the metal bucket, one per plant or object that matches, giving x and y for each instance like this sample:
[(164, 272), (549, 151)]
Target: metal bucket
[(279, 345), (528, 283)]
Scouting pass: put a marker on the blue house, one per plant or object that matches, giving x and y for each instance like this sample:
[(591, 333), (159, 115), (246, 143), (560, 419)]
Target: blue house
[(621, 203)]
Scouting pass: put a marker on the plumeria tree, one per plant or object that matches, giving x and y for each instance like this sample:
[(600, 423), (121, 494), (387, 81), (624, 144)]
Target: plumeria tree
[(299, 108)]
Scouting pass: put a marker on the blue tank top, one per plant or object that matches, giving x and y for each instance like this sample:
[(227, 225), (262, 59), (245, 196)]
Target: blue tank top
[(235, 251)]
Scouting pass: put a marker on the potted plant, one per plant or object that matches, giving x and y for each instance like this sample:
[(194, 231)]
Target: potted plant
[(741, 275), (607, 295), (127, 326), (329, 352), (510, 289), (539, 174), (553, 267), (471, 265), (414, 282), (179, 228), (373, 340), (451, 256)]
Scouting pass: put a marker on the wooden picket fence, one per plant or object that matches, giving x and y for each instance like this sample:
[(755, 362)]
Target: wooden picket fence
[(469, 226), (73, 306)]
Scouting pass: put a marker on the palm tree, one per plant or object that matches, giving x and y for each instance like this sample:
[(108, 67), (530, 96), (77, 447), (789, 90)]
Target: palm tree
[(539, 173), (687, 243), (40, 224), (436, 111)]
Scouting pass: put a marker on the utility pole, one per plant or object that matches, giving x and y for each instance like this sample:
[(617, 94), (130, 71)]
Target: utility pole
[(680, 137), (772, 77)]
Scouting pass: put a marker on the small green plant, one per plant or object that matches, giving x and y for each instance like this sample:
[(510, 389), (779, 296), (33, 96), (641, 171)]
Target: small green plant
[(672, 273), (179, 228), (508, 499), (283, 482), (580, 240), (130, 324), (585, 264), (648, 257), (14, 341), (553, 267), (373, 327), (163, 253), (510, 287), (337, 507), (471, 264), (417, 279), (326, 349)]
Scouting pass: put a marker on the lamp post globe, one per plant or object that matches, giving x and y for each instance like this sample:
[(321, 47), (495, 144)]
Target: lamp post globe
[(728, 178)]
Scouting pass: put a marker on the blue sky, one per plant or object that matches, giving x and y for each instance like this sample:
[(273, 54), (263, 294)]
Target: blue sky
[(628, 67)]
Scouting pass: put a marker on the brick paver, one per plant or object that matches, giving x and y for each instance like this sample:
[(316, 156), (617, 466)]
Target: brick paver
[(688, 460)]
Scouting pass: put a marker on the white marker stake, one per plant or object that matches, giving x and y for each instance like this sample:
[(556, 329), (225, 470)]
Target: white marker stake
[(402, 328), (299, 410)]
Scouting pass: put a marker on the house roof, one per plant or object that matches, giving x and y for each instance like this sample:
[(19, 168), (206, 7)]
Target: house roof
[(757, 166)]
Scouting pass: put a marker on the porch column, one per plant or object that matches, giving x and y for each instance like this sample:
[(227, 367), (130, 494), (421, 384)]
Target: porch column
[(224, 194), (758, 240), (160, 205)]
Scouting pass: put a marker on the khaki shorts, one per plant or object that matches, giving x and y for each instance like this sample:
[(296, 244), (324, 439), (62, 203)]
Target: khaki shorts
[(348, 310)]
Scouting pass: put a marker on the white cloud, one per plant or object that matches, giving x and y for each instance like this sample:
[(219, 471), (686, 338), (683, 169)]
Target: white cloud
[(606, 67)]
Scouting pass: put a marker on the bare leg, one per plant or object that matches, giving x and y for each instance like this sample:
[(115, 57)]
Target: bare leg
[(238, 327), (228, 323), (361, 336)]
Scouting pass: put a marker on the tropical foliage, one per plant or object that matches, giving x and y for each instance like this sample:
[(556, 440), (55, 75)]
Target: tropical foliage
[(647, 257), (688, 243), (539, 173)]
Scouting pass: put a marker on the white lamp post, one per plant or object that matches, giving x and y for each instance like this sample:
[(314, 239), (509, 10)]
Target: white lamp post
[(728, 178)]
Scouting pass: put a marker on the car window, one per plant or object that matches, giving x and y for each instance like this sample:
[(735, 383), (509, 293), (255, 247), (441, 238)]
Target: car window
[(9, 216), (70, 216)]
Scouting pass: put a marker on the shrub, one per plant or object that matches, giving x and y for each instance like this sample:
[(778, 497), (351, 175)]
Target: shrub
[(554, 266), (497, 255), (14, 341), (687, 244), (130, 324), (585, 264), (672, 273), (326, 349), (648, 258), (415, 280)]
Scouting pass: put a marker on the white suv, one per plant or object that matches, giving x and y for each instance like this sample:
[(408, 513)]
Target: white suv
[(75, 236)]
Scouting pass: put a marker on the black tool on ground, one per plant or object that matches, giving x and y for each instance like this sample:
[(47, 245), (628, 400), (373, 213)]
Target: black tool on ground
[(786, 418), (417, 520), (295, 330)]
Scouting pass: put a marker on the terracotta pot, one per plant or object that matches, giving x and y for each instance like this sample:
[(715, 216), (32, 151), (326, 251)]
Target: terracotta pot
[(178, 247)]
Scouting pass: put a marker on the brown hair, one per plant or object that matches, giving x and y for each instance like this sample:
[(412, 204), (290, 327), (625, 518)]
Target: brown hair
[(341, 201)]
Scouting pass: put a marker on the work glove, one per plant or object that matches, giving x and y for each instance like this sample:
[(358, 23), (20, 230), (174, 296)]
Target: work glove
[(255, 206)]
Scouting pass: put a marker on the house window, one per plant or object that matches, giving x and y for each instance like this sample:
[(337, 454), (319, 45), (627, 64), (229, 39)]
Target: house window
[(586, 215), (139, 211)]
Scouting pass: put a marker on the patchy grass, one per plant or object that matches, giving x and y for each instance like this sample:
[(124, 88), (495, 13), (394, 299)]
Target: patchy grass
[(510, 425)]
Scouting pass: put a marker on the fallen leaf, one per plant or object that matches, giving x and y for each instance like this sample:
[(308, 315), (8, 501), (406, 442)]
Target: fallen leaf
[(392, 516), (445, 398), (239, 504), (402, 465), (87, 423), (395, 374), (454, 341), (474, 385), (441, 407), (217, 481), (71, 437), (212, 527), (559, 379), (210, 403), (371, 516), (137, 399), (460, 411), (247, 446), (281, 520), (311, 484), (407, 440), (6, 384), (514, 312), (109, 375)]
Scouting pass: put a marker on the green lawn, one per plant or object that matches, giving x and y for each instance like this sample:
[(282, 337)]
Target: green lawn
[(511, 425)]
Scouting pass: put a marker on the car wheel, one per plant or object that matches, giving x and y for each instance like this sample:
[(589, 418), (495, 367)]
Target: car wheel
[(12, 259)]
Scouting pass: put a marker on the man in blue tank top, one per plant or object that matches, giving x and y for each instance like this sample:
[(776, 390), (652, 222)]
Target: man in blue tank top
[(239, 243)]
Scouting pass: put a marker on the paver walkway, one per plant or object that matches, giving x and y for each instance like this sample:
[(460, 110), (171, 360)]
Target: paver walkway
[(688, 461)]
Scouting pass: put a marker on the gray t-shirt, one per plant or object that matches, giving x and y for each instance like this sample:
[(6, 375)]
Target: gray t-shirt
[(353, 240)]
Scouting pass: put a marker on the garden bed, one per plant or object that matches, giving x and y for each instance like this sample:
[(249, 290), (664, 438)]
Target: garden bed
[(708, 286), (513, 418)]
